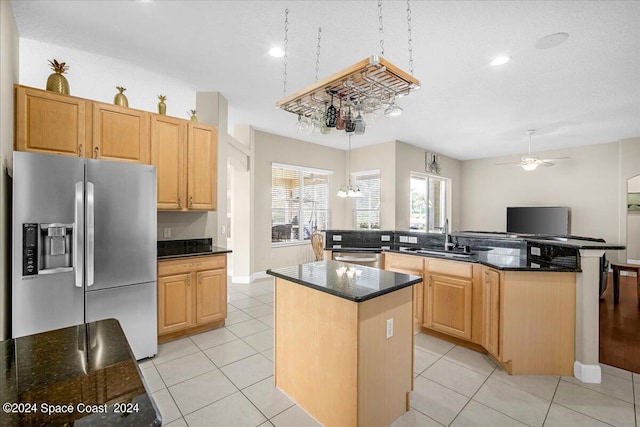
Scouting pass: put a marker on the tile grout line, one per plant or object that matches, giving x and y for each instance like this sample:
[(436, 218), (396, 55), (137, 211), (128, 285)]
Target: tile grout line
[(552, 398), (471, 398), (599, 392)]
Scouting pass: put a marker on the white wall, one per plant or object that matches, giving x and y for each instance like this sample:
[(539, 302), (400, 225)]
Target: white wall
[(9, 61), (592, 183), (382, 157), (271, 148), (96, 77)]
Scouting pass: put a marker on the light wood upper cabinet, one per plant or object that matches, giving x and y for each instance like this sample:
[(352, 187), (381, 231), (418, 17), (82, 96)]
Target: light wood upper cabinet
[(491, 311), (185, 155), (52, 123), (202, 166), (168, 155), (211, 296), (175, 303), (120, 134)]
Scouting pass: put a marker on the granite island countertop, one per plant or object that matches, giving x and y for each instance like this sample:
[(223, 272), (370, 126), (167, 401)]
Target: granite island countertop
[(349, 281), (86, 373)]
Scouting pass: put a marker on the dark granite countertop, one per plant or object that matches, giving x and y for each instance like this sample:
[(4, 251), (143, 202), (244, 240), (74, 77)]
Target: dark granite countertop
[(499, 261), (353, 282), (86, 370), (168, 249), (577, 243)]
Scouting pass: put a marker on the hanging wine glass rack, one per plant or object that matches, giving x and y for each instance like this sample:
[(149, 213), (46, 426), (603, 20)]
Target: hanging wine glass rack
[(387, 80)]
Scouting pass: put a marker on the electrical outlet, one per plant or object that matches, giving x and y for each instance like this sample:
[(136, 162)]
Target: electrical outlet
[(404, 239), (535, 251), (413, 239), (167, 232), (337, 238), (385, 238), (389, 328)]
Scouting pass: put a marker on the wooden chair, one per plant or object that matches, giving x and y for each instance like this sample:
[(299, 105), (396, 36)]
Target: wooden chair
[(617, 268)]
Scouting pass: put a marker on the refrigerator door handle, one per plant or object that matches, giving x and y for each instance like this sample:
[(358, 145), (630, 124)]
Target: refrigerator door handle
[(90, 233), (78, 235)]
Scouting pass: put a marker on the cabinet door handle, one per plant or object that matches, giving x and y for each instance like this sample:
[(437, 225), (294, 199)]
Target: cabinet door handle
[(189, 281), (190, 201), (179, 201), (429, 280), (80, 150), (95, 153)]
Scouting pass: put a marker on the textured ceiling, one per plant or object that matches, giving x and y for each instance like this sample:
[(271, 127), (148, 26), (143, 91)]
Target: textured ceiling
[(585, 91)]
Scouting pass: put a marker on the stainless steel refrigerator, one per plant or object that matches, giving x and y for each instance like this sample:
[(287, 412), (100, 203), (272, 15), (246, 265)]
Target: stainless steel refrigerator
[(84, 246)]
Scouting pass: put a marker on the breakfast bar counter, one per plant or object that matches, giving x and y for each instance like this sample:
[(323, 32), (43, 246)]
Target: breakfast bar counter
[(344, 341)]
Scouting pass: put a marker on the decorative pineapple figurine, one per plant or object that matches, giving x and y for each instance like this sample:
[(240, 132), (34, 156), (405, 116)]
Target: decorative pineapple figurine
[(120, 98), (192, 115), (162, 107), (56, 81)]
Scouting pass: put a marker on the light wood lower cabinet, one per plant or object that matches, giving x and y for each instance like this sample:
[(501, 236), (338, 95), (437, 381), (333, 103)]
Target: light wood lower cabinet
[(409, 264), (192, 295), (449, 305), (491, 312)]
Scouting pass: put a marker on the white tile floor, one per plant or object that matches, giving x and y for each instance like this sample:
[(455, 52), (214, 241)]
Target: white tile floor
[(224, 377)]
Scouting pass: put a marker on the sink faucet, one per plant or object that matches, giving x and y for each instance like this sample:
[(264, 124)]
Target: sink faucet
[(448, 244)]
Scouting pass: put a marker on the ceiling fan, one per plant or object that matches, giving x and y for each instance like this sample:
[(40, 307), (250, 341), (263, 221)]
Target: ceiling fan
[(529, 162)]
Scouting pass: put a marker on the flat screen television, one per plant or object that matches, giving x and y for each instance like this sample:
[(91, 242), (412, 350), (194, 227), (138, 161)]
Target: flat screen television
[(539, 220)]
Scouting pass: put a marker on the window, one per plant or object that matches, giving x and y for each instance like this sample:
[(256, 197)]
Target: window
[(299, 202), (428, 203), (367, 212)]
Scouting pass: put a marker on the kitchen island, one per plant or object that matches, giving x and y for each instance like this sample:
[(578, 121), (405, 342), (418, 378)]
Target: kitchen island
[(344, 341), (80, 375)]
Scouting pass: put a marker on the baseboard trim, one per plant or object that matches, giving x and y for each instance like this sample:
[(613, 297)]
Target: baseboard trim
[(587, 373), (250, 279)]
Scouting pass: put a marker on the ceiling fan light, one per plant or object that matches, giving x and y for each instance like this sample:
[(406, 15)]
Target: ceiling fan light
[(343, 191), (529, 166)]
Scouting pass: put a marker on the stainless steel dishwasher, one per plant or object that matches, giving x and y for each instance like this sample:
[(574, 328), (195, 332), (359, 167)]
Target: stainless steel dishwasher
[(368, 259)]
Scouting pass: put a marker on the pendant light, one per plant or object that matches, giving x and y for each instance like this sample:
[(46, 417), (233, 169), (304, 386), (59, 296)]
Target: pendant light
[(352, 191)]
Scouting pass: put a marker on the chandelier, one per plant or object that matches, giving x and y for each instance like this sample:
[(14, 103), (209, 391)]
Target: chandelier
[(350, 190)]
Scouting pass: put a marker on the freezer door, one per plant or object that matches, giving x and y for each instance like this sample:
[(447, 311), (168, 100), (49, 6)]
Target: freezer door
[(135, 307), (121, 224), (47, 189)]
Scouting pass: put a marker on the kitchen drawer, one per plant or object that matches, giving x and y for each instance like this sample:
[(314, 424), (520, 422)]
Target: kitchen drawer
[(451, 268), (185, 265), (409, 263)]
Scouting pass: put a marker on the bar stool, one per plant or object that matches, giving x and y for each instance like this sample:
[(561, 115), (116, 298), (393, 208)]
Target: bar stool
[(617, 268)]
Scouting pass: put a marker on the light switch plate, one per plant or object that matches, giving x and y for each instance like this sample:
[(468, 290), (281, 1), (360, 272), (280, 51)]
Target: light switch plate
[(385, 238), (404, 239), (413, 239), (167, 232), (337, 238), (535, 251)]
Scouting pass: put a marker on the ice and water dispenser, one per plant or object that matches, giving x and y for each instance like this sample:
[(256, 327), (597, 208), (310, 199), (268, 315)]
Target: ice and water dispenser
[(47, 248)]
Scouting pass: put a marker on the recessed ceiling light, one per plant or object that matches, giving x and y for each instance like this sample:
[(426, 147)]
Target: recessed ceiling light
[(552, 40), (500, 60), (276, 52)]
